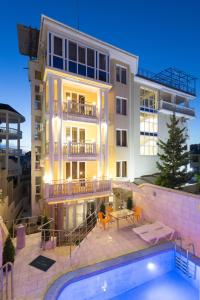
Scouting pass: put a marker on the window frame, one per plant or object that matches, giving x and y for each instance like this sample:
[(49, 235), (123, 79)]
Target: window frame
[(121, 139), (121, 99), (120, 164), (120, 74)]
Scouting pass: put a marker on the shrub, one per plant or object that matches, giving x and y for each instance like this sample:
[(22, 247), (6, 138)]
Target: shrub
[(8, 251)]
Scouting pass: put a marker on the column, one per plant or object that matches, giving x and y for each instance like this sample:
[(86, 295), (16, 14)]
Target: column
[(99, 101), (60, 129), (60, 217), (51, 133), (106, 113)]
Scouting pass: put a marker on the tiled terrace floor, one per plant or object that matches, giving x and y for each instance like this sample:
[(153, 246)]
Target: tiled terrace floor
[(31, 283)]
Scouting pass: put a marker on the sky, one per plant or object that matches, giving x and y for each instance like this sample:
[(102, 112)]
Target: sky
[(162, 33)]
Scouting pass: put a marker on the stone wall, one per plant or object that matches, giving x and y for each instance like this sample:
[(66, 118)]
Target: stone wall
[(177, 209)]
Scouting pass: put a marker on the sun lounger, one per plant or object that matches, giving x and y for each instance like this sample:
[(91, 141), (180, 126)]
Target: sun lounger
[(148, 227), (156, 235)]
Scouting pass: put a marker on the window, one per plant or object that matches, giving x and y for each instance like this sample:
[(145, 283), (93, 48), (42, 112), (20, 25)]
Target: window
[(148, 123), (148, 145), (121, 74), (57, 46), (38, 75), (38, 105), (121, 168), (37, 132), (76, 58), (38, 181), (121, 138), (37, 88), (72, 51), (121, 106), (148, 100)]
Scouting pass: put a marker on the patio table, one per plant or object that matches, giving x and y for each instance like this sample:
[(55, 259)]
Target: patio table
[(121, 215)]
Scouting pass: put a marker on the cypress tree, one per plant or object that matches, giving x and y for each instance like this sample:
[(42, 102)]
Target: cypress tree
[(173, 156)]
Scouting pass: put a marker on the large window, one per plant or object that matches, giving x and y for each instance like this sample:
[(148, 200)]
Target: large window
[(121, 169), (148, 133), (148, 145), (121, 106), (121, 138), (121, 75), (148, 100), (77, 58)]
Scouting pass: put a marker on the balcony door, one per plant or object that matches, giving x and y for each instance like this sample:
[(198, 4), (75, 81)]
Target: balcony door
[(81, 99), (75, 170)]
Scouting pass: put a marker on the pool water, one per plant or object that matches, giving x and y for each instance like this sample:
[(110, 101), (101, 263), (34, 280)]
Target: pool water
[(170, 286)]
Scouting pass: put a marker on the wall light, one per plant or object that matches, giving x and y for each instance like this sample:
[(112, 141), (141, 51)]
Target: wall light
[(47, 178)]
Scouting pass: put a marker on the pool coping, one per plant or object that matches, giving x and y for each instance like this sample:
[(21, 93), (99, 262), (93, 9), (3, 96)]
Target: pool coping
[(64, 280)]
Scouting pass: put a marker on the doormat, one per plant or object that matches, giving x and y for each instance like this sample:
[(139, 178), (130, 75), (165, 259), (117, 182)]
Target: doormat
[(42, 263)]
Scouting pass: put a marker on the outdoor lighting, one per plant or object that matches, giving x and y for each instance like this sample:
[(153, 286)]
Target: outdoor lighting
[(151, 266), (104, 286), (69, 179), (47, 178)]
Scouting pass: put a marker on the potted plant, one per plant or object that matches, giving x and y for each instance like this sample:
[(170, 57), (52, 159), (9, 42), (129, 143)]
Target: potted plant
[(8, 251), (129, 203)]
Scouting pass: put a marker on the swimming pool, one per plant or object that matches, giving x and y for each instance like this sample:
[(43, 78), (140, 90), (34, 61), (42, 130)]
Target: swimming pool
[(150, 274)]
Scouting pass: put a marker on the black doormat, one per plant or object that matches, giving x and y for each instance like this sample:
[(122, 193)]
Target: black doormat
[(42, 263)]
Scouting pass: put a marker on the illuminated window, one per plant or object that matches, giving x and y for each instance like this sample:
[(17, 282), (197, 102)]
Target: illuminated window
[(148, 100), (148, 145), (148, 123)]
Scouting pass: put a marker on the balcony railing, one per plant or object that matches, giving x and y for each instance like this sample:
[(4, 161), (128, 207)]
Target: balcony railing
[(80, 149), (10, 131), (11, 151), (78, 109), (77, 189), (177, 109)]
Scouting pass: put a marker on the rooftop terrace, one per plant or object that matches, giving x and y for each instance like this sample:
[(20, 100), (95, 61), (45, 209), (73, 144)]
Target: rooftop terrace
[(172, 78)]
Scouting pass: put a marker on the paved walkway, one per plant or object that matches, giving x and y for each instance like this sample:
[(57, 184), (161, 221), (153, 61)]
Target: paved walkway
[(31, 283)]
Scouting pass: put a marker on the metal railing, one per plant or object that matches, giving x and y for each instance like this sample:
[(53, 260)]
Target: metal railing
[(73, 238), (31, 224), (11, 151), (72, 188), (80, 148), (11, 131), (176, 108), (6, 282), (80, 109)]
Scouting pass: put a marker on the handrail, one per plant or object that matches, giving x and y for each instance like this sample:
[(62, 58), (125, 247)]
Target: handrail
[(5, 270), (51, 220)]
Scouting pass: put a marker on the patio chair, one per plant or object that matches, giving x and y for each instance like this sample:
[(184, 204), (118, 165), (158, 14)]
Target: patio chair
[(137, 214)]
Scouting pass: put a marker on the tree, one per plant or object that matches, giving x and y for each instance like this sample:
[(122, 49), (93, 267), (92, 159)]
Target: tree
[(8, 251), (173, 156)]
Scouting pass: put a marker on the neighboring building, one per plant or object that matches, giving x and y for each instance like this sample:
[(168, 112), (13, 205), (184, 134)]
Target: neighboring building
[(195, 158), (11, 195), (95, 117)]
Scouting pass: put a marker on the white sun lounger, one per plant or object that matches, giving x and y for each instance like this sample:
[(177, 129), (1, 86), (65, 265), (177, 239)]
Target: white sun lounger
[(156, 235), (148, 227)]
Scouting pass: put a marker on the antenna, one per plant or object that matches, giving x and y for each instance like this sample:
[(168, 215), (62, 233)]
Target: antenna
[(77, 7)]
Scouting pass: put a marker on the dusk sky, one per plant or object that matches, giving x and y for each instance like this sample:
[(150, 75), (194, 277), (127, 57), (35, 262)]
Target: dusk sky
[(161, 33)]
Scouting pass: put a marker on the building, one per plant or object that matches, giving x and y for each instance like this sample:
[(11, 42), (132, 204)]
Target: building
[(195, 158), (95, 117), (10, 167)]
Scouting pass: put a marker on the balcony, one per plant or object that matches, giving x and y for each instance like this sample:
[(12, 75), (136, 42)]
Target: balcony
[(75, 111), (180, 111), (69, 190), (11, 132), (82, 151), (11, 151)]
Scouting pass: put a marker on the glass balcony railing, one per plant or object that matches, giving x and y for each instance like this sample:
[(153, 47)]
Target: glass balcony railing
[(10, 150), (175, 108), (10, 131)]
